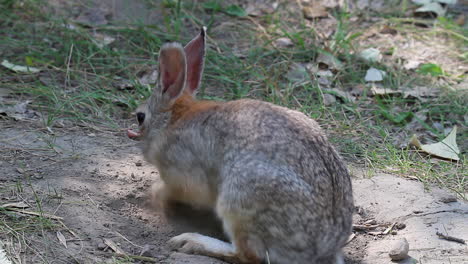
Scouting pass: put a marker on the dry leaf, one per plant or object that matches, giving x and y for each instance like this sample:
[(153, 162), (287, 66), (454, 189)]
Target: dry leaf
[(297, 73), (328, 61), (420, 92), (388, 30), (148, 78), (411, 65), (102, 40), (316, 11), (371, 54), (374, 75), (62, 239), (92, 17), (446, 149), (283, 43), (261, 7), (3, 256), (19, 68), (19, 111), (383, 91), (430, 10)]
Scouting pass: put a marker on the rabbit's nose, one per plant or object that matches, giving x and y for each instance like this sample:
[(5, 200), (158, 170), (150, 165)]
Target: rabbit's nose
[(140, 118)]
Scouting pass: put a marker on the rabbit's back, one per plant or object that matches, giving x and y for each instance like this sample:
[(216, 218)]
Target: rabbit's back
[(288, 173)]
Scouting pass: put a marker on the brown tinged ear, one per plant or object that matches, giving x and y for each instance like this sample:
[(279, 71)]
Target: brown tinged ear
[(173, 72), (195, 54)]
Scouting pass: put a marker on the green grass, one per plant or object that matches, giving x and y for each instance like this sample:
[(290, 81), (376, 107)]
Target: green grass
[(77, 82)]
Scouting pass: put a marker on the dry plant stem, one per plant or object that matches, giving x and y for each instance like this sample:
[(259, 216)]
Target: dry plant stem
[(450, 238), (135, 257), (35, 213), (389, 229)]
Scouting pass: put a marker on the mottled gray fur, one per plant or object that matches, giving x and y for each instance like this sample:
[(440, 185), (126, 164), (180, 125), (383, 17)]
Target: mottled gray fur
[(269, 172)]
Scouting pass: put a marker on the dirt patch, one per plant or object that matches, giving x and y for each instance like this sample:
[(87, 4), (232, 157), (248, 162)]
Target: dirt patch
[(98, 182)]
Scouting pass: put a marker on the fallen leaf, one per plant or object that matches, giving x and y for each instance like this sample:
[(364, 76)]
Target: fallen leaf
[(62, 239), (388, 30), (411, 64), (21, 205), (374, 75), (122, 84), (316, 11), (148, 78), (92, 17), (433, 9), (383, 91), (326, 60), (297, 73), (19, 68), (19, 111), (371, 55), (344, 96), (329, 99), (113, 246), (325, 77), (420, 92), (283, 43), (446, 149), (213, 6), (431, 69), (3, 256), (259, 7), (235, 10), (422, 2), (425, 2), (102, 40)]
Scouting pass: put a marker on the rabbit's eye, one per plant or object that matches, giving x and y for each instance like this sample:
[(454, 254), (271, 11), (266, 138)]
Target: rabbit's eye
[(140, 118)]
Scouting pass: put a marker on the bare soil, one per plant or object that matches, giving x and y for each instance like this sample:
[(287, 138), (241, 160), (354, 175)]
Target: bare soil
[(99, 183)]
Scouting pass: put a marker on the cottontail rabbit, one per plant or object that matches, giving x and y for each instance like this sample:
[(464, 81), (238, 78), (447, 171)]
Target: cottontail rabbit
[(280, 189)]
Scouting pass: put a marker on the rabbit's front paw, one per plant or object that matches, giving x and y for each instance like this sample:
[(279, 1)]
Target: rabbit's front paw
[(188, 243)]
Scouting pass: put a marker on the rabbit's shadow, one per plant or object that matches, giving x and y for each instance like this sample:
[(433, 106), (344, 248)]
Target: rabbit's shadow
[(185, 218)]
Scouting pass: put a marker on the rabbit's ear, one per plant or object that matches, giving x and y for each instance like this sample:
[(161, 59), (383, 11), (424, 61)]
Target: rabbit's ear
[(172, 70), (195, 53)]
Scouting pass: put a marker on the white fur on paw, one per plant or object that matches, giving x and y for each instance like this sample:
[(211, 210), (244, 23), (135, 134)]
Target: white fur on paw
[(186, 243)]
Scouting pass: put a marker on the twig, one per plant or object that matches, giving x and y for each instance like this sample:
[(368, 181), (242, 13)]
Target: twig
[(126, 239), (135, 257), (450, 238), (350, 238), (114, 246), (67, 73), (389, 229), (366, 227), (69, 230), (119, 252), (35, 213)]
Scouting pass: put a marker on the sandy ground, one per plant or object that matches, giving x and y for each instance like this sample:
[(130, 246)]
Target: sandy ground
[(99, 183)]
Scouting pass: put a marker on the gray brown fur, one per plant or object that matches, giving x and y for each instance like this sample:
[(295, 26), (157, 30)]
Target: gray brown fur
[(278, 185)]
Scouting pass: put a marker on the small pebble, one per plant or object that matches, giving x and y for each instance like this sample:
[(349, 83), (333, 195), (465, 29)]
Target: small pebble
[(101, 246), (400, 226), (138, 163), (394, 233), (370, 222), (450, 198), (328, 99), (399, 250)]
